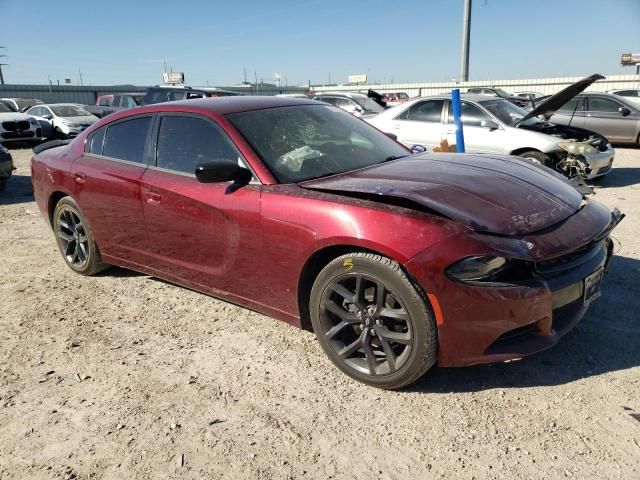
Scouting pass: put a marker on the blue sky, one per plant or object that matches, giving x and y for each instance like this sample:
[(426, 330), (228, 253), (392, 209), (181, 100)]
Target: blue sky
[(115, 42)]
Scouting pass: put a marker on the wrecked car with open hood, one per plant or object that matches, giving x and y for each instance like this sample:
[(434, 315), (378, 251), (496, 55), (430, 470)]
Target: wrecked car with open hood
[(298, 210), (495, 125)]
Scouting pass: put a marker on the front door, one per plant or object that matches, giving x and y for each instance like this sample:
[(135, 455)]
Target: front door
[(604, 117), (477, 138), (199, 232)]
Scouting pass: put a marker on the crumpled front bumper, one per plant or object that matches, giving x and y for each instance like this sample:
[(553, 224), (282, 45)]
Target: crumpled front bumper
[(600, 163), (493, 323)]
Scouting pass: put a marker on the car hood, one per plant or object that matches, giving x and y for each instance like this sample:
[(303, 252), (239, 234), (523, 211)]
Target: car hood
[(504, 195), (81, 120), (13, 117), (554, 102)]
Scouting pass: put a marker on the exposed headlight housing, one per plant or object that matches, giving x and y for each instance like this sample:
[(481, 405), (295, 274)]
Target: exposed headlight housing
[(476, 269), (577, 148)]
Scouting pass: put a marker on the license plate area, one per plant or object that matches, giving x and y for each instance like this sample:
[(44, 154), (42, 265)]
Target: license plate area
[(592, 286)]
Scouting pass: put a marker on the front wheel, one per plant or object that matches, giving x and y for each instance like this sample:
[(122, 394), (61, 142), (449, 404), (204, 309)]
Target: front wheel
[(372, 322), (537, 157), (74, 238)]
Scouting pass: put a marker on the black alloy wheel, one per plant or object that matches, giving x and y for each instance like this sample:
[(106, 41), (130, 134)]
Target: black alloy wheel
[(74, 238), (372, 321)]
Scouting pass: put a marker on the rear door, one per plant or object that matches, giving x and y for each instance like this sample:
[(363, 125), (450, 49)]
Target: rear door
[(603, 116), (107, 180), (420, 124), (571, 113), (200, 232)]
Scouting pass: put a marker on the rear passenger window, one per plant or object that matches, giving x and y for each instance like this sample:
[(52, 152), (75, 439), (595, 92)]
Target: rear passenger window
[(427, 111), (126, 140), (571, 105), (185, 142), (95, 142)]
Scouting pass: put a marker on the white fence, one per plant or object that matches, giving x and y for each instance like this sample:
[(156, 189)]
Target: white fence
[(546, 86)]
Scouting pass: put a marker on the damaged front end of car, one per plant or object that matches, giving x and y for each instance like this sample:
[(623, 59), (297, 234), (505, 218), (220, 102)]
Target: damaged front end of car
[(581, 154)]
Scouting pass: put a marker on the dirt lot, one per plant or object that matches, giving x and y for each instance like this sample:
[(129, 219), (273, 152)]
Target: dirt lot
[(125, 376)]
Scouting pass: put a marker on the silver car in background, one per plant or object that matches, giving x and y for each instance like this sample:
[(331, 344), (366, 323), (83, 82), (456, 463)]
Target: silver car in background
[(496, 126), (615, 117), (632, 94), (356, 104)]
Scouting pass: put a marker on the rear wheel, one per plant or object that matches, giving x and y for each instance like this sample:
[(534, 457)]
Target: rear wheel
[(372, 322), (74, 238)]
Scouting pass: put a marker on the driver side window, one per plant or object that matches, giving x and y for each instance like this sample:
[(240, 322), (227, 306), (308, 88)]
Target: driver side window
[(185, 142), (599, 104), (470, 115)]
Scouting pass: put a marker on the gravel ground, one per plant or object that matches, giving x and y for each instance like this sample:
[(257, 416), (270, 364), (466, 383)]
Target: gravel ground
[(125, 376)]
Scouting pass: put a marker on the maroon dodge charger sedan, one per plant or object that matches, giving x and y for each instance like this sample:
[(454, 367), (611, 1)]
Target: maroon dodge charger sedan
[(301, 211)]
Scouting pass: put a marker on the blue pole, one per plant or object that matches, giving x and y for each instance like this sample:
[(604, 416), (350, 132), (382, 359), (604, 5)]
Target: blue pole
[(455, 103)]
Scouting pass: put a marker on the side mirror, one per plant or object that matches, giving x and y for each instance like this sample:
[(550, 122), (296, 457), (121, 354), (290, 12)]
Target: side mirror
[(490, 124), (46, 116), (624, 111), (222, 170), (418, 149)]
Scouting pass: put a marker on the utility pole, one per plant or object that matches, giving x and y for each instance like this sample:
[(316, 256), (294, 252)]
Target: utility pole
[(80, 73), (2, 65), (466, 34)]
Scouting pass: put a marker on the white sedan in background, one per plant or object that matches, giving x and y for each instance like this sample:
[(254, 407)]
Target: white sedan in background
[(496, 126), (62, 120)]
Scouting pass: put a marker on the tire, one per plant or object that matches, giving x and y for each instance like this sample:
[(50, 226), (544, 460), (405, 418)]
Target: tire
[(539, 157), (386, 351), (74, 238), (58, 135), (3, 184)]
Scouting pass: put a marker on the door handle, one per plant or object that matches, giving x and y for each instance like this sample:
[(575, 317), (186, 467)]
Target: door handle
[(80, 177), (152, 198)]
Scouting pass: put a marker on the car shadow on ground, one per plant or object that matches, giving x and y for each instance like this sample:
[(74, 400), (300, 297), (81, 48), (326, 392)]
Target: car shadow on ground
[(618, 177), (606, 340), (17, 190), (121, 272)]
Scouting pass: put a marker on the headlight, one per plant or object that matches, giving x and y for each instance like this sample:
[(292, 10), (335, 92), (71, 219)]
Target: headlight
[(473, 269), (577, 148)]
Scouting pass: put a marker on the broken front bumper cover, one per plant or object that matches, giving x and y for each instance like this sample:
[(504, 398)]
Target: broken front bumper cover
[(599, 163)]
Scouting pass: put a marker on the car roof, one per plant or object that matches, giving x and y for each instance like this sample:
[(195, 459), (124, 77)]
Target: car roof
[(341, 94), (58, 105), (226, 105), (189, 88), (474, 97)]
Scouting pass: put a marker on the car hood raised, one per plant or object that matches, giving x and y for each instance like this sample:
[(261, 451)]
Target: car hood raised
[(504, 195), (554, 102)]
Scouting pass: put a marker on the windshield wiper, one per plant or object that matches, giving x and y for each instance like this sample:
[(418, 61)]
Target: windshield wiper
[(393, 157)]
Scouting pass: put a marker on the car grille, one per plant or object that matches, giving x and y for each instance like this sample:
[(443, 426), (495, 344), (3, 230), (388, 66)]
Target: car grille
[(571, 261), (12, 135), (13, 126)]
